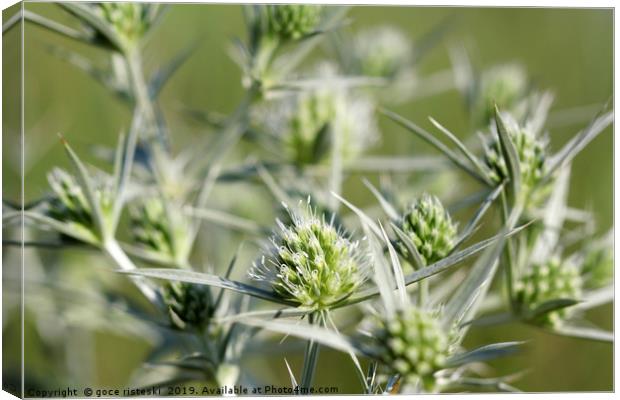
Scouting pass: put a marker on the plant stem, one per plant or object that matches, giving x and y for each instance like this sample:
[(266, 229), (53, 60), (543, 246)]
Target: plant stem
[(116, 253), (310, 359)]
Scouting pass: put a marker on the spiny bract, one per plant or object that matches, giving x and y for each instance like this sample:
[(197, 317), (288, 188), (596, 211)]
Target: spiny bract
[(71, 205), (293, 21), (189, 304), (430, 228), (414, 345), (312, 264), (156, 229), (532, 155), (551, 280)]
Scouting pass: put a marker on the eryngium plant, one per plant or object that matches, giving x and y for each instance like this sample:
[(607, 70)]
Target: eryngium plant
[(416, 346), (316, 127), (312, 264), (190, 305), (551, 280), (430, 228), (293, 21)]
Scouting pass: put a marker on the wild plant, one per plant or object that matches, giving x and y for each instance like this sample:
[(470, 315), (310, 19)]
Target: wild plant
[(423, 279)]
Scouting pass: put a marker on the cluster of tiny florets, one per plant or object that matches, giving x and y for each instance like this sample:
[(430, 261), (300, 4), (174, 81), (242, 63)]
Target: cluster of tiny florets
[(430, 228), (149, 225), (312, 263), (293, 21), (532, 157), (129, 20), (189, 305), (547, 281), (414, 345), (308, 122), (70, 204)]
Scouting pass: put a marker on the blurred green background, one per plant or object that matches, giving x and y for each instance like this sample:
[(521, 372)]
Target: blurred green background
[(568, 51)]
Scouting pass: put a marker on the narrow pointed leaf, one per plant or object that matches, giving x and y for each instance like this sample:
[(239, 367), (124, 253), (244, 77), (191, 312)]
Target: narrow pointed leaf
[(550, 306), (208, 279), (475, 162), (473, 223), (397, 270), (484, 353), (579, 142), (430, 139), (413, 256), (509, 152), (387, 207), (582, 332), (61, 227)]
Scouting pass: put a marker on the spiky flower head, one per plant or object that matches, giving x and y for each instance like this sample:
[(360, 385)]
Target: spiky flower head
[(547, 281), (312, 122), (598, 266), (130, 20), (382, 52), (70, 204), (430, 228), (414, 345), (293, 21), (312, 264), (189, 305), (531, 151), (505, 85), (164, 231)]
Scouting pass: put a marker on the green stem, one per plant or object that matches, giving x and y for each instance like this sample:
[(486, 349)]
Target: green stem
[(116, 253), (310, 358)]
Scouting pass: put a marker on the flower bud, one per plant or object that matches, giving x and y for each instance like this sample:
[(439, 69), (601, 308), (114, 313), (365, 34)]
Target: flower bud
[(190, 305), (532, 155), (293, 21), (130, 20), (160, 231), (549, 281), (312, 263), (430, 228), (415, 346)]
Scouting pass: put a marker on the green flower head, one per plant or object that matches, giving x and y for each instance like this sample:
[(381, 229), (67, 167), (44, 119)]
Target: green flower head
[(71, 206), (532, 153), (414, 345), (430, 228), (551, 280), (130, 20), (165, 233), (293, 21), (310, 122), (190, 305), (312, 263)]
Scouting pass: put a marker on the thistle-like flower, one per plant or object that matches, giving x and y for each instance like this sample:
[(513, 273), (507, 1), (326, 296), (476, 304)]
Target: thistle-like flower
[(415, 346), (531, 150), (430, 228), (130, 20), (551, 280), (70, 204), (164, 232), (189, 305), (293, 21), (309, 123), (382, 52), (312, 264), (504, 85)]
